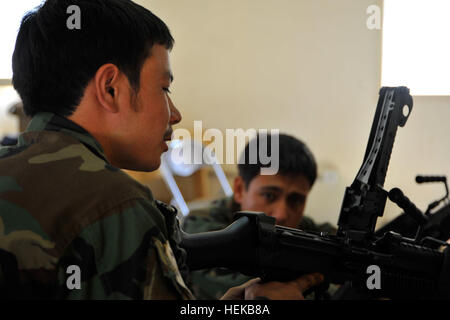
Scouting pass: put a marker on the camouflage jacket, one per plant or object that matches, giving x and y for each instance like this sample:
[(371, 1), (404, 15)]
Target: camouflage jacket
[(213, 283), (64, 206)]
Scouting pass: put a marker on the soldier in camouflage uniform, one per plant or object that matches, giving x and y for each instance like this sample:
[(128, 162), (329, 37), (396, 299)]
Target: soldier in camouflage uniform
[(282, 196), (63, 200), (98, 98), (63, 203)]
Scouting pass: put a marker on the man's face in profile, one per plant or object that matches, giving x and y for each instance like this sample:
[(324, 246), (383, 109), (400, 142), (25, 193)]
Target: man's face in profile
[(148, 116), (279, 196)]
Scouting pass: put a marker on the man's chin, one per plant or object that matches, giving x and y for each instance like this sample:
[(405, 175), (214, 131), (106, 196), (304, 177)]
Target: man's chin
[(144, 167), (149, 168)]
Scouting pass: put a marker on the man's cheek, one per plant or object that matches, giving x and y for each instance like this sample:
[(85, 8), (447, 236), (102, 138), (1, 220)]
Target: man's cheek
[(262, 207)]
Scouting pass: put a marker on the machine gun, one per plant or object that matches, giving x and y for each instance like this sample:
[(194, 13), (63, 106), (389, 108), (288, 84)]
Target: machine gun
[(256, 246)]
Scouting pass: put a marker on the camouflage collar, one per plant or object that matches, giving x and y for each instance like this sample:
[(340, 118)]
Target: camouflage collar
[(53, 122)]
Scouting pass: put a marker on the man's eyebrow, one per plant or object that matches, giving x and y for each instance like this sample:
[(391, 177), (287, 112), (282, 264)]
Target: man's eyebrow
[(271, 188), (278, 189)]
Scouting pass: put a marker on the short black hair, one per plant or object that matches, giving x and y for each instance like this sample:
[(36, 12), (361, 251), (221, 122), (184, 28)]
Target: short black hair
[(295, 159), (52, 64)]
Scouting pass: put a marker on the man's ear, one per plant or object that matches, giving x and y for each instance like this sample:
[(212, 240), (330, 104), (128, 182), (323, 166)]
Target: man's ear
[(107, 86), (239, 189)]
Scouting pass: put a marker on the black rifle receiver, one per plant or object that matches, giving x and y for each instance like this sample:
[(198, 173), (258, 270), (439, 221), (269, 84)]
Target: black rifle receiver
[(255, 246)]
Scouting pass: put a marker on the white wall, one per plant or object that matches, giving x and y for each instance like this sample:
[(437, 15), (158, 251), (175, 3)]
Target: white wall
[(9, 124), (311, 68)]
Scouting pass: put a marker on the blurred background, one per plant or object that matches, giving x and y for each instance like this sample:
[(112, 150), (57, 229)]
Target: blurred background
[(310, 68)]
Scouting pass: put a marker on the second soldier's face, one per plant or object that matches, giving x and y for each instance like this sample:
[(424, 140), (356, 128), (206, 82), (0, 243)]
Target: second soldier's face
[(149, 115), (279, 196)]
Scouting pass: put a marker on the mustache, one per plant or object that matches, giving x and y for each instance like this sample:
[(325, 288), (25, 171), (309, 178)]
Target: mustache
[(168, 134)]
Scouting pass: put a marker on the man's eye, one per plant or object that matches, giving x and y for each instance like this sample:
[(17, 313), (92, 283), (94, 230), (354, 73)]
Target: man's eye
[(269, 196), (167, 90), (297, 201)]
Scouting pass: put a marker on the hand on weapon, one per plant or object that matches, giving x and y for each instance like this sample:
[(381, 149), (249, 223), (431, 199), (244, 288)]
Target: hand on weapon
[(274, 290)]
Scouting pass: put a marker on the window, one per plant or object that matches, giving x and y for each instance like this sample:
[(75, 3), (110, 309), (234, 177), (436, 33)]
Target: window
[(11, 13), (416, 46)]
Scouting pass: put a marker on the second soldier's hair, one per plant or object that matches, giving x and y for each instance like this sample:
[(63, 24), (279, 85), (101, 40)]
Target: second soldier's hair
[(295, 159)]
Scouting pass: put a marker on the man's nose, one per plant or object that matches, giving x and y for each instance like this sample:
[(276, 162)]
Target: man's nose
[(175, 115), (280, 212)]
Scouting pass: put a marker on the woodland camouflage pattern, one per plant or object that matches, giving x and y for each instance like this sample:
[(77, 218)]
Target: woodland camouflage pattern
[(213, 283), (62, 203)]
